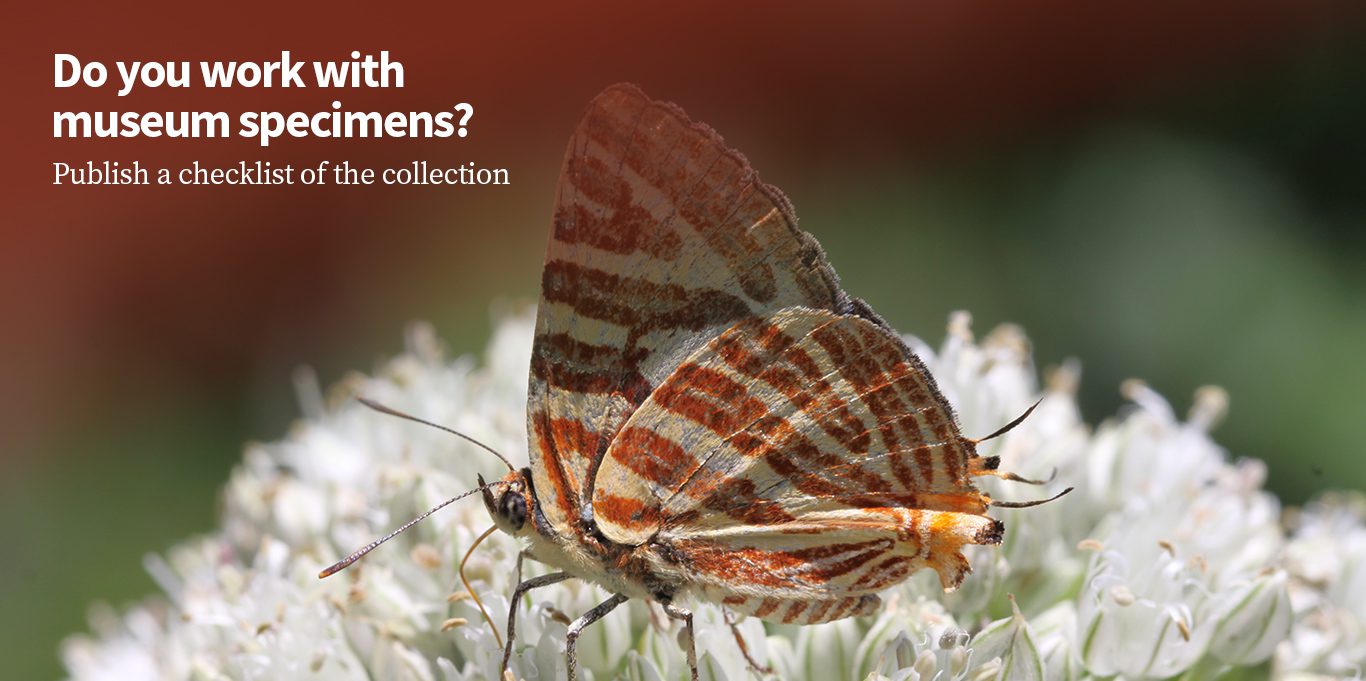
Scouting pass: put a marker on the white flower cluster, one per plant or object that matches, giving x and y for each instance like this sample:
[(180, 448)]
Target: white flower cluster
[(1168, 559)]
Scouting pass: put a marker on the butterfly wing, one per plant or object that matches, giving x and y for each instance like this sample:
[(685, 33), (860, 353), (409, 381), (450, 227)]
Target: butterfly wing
[(663, 238), (800, 456)]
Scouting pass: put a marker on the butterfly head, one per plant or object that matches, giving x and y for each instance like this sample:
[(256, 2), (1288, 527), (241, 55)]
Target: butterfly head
[(509, 501)]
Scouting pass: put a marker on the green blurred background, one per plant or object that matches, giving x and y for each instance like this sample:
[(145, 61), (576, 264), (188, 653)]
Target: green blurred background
[(1176, 195)]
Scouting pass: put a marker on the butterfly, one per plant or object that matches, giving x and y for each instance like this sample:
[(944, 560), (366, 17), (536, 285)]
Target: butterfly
[(711, 417)]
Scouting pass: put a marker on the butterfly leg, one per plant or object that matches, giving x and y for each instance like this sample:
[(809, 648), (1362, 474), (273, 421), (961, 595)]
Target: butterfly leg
[(522, 588), (578, 626), (686, 617), (759, 669)]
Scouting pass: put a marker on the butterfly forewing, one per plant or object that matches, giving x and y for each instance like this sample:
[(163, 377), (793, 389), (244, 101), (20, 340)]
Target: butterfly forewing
[(663, 238)]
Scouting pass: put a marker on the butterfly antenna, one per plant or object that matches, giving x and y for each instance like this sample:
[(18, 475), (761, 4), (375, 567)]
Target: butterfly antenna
[(473, 596), (1028, 504), (394, 412), (343, 563), (1010, 426)]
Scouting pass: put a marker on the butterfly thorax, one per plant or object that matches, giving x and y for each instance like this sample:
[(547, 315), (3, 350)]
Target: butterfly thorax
[(637, 571)]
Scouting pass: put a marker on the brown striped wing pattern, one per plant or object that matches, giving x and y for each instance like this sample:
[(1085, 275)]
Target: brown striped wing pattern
[(663, 239), (796, 464)]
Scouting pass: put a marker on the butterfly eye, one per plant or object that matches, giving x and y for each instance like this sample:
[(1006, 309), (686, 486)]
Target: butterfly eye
[(512, 509)]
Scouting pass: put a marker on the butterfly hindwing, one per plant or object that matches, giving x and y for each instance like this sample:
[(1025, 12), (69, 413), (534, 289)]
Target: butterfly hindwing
[(807, 452), (663, 238)]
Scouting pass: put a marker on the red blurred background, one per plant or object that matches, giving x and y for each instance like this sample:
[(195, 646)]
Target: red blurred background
[(149, 331)]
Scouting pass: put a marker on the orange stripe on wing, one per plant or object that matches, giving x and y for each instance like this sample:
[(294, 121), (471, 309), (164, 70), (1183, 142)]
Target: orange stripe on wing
[(766, 607), (817, 613), (922, 391), (626, 226), (802, 569), (720, 194), (654, 457), (626, 511), (709, 398), (735, 496), (563, 490), (760, 350), (638, 304)]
